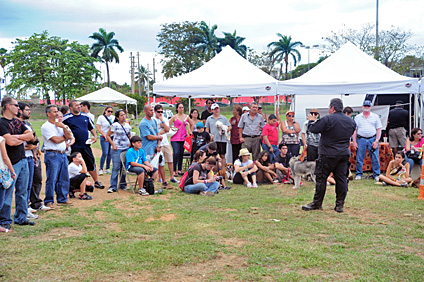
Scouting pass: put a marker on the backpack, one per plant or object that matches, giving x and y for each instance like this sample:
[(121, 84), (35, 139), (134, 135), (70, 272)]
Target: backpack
[(149, 186), (182, 180)]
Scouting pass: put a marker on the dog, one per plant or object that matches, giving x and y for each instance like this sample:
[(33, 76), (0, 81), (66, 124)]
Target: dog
[(230, 172), (299, 169), (223, 129)]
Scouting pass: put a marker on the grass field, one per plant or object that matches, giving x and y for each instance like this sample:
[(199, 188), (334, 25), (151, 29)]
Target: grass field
[(239, 235)]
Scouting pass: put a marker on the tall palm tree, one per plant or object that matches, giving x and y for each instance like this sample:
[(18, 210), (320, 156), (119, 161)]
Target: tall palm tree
[(106, 45), (282, 49), (207, 40), (142, 75), (234, 41)]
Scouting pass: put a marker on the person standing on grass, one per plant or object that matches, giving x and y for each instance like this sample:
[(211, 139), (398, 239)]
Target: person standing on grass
[(290, 133), (81, 124), (15, 133), (194, 115), (333, 153), (270, 137), (250, 127), (55, 134), (366, 136), (235, 133), (397, 124), (104, 122), (120, 143), (208, 112), (310, 140), (139, 164), (163, 128)]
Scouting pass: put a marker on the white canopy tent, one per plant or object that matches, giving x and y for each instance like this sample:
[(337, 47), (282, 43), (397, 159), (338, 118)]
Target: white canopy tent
[(348, 71), (226, 75), (108, 95)]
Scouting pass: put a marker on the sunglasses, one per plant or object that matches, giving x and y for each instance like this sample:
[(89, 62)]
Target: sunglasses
[(315, 114), (16, 105), (159, 112), (290, 115), (109, 111)]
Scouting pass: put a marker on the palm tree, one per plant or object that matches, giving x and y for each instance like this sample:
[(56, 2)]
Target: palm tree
[(207, 40), (143, 76), (3, 62), (234, 41), (107, 45), (282, 49)]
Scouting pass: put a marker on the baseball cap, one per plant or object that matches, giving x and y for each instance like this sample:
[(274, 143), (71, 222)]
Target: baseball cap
[(200, 125), (367, 103), (246, 109), (214, 106)]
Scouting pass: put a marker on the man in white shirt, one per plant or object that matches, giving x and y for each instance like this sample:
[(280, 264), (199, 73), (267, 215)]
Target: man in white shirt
[(366, 136), (163, 128), (55, 135)]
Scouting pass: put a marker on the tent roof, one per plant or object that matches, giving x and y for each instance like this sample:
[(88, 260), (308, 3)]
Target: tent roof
[(226, 74), (107, 95), (349, 71)]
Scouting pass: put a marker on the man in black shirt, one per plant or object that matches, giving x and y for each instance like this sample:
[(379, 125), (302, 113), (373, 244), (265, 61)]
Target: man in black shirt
[(333, 153), (208, 112), (200, 138), (397, 124), (15, 133)]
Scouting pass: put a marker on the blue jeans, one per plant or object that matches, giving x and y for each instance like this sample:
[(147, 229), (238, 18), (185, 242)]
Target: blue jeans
[(271, 155), (363, 145), (177, 157), (116, 162), (30, 161), (57, 177), (139, 170), (412, 162), (106, 148), (2, 195), (199, 187), (21, 202)]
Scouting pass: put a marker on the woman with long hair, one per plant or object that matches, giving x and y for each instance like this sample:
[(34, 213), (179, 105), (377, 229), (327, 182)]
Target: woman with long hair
[(397, 172), (180, 121), (121, 131), (235, 133), (266, 171), (413, 148), (103, 124), (194, 115), (200, 179), (291, 129)]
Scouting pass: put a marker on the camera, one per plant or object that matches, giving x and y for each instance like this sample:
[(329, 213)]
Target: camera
[(219, 178)]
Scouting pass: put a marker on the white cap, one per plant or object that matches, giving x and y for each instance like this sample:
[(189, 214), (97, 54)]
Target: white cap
[(214, 106), (245, 109)]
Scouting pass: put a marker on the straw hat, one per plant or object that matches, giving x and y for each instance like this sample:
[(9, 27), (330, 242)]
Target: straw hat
[(244, 152)]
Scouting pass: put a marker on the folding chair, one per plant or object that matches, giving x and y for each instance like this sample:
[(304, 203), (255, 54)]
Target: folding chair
[(126, 172)]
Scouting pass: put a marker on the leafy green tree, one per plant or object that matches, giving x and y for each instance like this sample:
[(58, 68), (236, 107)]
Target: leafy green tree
[(207, 41), (144, 75), (3, 54), (282, 49), (108, 46), (234, 41), (177, 43), (48, 63), (141, 101)]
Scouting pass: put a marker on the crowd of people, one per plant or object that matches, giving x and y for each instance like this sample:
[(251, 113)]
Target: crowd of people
[(257, 155)]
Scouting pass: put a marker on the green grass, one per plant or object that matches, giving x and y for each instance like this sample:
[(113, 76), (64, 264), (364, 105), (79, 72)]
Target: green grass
[(241, 234)]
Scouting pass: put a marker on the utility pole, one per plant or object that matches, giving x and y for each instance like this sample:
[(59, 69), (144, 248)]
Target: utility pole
[(132, 74), (139, 74), (376, 35), (148, 85), (154, 77)]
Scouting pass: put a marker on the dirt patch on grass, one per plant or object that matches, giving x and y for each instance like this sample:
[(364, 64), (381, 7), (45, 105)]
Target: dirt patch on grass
[(165, 217), (59, 233)]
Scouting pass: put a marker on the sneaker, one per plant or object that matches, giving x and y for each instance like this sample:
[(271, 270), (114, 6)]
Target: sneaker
[(111, 190), (255, 185), (227, 187), (99, 185), (159, 191), (174, 180), (85, 197), (31, 210), (67, 203), (376, 178), (30, 215), (108, 171), (71, 195), (286, 181), (404, 185), (143, 192), (358, 177), (44, 208), (100, 171), (124, 188), (249, 185), (50, 205)]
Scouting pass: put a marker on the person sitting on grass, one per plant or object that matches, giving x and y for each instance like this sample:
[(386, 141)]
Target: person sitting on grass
[(397, 172), (266, 171), (200, 180), (199, 158), (138, 163), (211, 150), (77, 171), (282, 164), (245, 170)]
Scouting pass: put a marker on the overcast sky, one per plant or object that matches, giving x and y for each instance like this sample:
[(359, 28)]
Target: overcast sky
[(136, 23)]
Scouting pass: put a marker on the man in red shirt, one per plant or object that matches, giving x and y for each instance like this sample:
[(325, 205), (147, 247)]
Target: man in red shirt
[(270, 137)]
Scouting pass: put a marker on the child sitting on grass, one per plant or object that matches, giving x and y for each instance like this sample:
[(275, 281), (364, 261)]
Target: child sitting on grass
[(138, 163), (77, 177)]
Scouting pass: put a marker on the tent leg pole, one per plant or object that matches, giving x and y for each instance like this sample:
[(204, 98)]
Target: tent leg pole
[(189, 104), (136, 119)]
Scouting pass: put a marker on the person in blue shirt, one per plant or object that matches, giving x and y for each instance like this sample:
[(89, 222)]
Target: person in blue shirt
[(149, 133), (137, 162)]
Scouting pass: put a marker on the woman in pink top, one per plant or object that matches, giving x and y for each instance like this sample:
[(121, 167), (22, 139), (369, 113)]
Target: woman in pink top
[(413, 145), (180, 121)]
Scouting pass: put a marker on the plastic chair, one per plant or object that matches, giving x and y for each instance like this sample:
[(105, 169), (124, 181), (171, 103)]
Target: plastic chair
[(127, 173)]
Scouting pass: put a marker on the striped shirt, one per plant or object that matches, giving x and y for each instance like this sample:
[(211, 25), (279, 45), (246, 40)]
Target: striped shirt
[(367, 127)]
